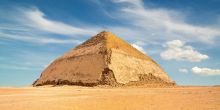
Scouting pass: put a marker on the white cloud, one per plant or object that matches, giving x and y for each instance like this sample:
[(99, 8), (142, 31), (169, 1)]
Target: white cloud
[(143, 23), (30, 25), (205, 71), (37, 19), (167, 23), (134, 2), (39, 40), (177, 50), (140, 43), (183, 70), (15, 67), (139, 48), (27, 60)]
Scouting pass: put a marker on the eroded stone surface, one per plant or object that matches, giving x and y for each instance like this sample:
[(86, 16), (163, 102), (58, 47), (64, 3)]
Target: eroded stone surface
[(128, 68)]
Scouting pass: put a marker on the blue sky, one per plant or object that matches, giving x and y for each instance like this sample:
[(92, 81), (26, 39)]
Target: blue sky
[(181, 35)]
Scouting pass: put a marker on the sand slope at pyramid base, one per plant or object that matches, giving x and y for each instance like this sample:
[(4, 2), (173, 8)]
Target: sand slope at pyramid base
[(149, 80)]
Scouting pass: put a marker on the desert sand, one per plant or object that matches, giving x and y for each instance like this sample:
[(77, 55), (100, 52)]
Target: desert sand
[(107, 98)]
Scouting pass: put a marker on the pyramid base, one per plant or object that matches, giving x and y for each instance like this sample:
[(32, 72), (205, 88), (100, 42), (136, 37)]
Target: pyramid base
[(108, 78)]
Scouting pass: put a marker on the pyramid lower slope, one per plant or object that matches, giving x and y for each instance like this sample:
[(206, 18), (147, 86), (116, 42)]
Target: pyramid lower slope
[(103, 60)]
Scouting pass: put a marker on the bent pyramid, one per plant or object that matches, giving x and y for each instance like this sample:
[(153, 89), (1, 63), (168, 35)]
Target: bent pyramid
[(103, 60)]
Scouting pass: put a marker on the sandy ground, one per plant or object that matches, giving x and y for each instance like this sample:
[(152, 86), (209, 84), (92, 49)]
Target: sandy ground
[(84, 98)]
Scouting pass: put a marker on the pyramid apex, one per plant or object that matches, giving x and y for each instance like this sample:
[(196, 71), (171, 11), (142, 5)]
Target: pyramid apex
[(106, 33)]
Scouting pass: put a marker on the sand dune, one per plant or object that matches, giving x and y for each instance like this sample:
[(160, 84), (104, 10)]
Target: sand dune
[(83, 98)]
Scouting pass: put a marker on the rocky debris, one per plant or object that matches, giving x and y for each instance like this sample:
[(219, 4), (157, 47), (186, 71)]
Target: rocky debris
[(108, 78)]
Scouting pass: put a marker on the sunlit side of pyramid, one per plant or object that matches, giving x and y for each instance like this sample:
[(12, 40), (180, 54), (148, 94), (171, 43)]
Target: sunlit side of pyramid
[(103, 60)]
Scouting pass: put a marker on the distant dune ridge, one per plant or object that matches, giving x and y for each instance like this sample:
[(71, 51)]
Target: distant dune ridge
[(104, 59)]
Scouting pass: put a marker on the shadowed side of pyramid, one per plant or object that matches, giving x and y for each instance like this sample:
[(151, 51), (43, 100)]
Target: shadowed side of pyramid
[(103, 60)]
